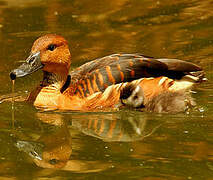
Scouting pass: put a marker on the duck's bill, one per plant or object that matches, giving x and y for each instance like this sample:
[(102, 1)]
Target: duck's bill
[(34, 149), (32, 64)]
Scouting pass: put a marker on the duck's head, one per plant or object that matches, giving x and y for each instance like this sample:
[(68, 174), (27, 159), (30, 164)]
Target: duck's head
[(49, 52)]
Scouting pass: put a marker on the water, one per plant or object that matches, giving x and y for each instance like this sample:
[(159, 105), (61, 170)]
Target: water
[(119, 145)]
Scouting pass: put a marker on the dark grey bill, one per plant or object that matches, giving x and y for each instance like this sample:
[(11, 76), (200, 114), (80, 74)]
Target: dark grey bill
[(34, 149), (32, 64)]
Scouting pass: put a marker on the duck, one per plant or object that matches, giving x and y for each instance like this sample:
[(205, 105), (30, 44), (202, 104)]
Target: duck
[(111, 82)]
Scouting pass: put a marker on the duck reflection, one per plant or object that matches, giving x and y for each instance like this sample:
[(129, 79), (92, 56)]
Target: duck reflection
[(53, 149), (112, 127), (125, 126), (61, 146)]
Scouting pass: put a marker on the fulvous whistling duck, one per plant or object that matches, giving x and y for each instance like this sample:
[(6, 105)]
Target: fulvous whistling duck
[(159, 85)]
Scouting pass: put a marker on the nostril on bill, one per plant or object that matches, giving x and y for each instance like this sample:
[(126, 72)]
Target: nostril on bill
[(12, 76)]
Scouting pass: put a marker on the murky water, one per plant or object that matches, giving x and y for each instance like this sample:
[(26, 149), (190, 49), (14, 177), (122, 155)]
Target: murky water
[(119, 145)]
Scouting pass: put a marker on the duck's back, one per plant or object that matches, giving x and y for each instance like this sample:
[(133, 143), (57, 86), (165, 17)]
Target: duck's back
[(98, 74)]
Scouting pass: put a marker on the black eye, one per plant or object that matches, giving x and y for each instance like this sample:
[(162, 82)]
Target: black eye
[(135, 97), (53, 161), (51, 47)]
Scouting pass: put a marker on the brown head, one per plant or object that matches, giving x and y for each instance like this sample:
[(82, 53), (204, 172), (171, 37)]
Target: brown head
[(49, 52)]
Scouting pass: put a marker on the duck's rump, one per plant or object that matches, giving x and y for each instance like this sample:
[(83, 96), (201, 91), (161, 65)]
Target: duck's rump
[(98, 74)]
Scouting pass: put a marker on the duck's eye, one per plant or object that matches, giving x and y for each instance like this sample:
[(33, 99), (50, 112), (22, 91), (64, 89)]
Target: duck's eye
[(53, 161), (51, 47)]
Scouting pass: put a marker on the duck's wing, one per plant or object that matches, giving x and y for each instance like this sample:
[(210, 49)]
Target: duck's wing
[(97, 75), (100, 63)]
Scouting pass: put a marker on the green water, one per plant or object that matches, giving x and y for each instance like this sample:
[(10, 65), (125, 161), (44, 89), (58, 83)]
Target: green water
[(119, 145)]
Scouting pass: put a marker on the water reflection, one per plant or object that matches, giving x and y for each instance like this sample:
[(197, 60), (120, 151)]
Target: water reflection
[(62, 146), (53, 149), (113, 127)]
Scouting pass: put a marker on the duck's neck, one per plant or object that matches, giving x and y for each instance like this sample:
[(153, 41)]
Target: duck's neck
[(48, 93), (49, 86), (53, 82)]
